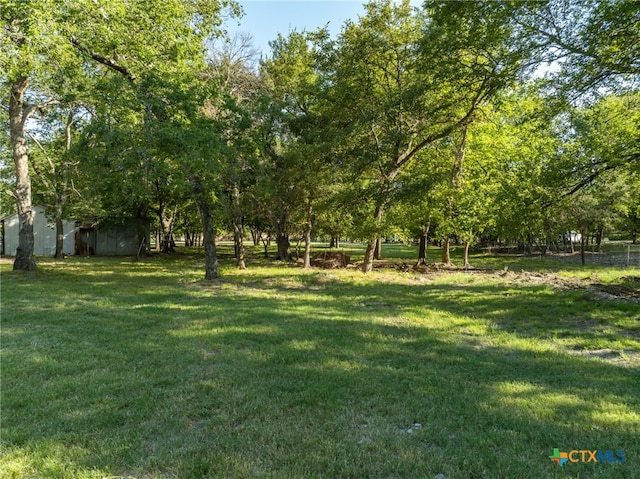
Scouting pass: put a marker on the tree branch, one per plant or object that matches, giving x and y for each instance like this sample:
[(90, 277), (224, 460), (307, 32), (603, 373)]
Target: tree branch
[(108, 62), (44, 179)]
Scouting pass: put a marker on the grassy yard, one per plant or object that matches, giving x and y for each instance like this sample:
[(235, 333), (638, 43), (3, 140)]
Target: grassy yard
[(112, 368)]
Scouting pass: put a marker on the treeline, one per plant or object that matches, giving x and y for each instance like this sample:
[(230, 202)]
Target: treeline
[(501, 121)]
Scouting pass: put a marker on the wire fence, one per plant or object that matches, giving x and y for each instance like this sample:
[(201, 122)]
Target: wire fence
[(630, 257)]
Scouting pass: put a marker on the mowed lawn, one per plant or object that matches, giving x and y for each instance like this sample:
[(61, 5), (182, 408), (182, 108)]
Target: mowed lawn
[(116, 368)]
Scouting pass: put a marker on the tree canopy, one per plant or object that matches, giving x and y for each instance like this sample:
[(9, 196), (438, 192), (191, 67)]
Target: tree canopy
[(460, 121)]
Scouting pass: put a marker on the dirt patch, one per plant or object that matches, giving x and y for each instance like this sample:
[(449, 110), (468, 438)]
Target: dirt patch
[(330, 260), (627, 289), (626, 358), (618, 290), (598, 290)]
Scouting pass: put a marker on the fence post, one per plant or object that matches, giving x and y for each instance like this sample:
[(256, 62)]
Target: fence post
[(628, 255)]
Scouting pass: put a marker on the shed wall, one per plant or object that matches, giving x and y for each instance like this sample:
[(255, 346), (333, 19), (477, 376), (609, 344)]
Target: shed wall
[(44, 232)]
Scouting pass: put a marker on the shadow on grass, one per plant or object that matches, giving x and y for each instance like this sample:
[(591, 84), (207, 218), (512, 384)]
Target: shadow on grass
[(315, 375)]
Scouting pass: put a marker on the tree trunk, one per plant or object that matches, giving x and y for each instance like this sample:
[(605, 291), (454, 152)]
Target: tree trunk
[(422, 249), (367, 264), (307, 237), (599, 237), (212, 270), (18, 114), (238, 245), (59, 236), (60, 194), (141, 230), (238, 226), (256, 234), (282, 238), (369, 255), (284, 246), (466, 254), (188, 236), (166, 222), (377, 252), (583, 245), (446, 255), (457, 172)]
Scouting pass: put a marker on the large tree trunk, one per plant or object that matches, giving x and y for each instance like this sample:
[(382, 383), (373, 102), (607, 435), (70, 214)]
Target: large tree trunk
[(212, 270), (18, 114)]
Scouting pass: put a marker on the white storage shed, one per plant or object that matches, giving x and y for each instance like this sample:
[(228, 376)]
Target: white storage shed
[(44, 232)]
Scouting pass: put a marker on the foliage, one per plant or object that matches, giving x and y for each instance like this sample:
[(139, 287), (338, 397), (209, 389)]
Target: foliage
[(353, 136)]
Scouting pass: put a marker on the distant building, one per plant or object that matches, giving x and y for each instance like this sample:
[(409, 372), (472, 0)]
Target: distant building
[(570, 237), (80, 237)]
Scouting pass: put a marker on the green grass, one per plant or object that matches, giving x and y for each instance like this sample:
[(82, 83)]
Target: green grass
[(117, 368)]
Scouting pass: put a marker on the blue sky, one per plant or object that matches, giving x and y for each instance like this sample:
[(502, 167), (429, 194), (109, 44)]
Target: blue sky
[(264, 19)]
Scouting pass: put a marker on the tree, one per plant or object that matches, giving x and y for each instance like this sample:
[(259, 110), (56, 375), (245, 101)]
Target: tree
[(291, 176), (28, 58), (628, 209), (232, 69), (91, 39), (19, 113), (515, 156), (600, 177), (418, 207), (164, 77), (55, 164), (594, 43), (603, 137), (396, 93), (595, 48)]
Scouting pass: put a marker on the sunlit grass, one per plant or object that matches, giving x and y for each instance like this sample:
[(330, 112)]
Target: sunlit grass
[(123, 368)]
